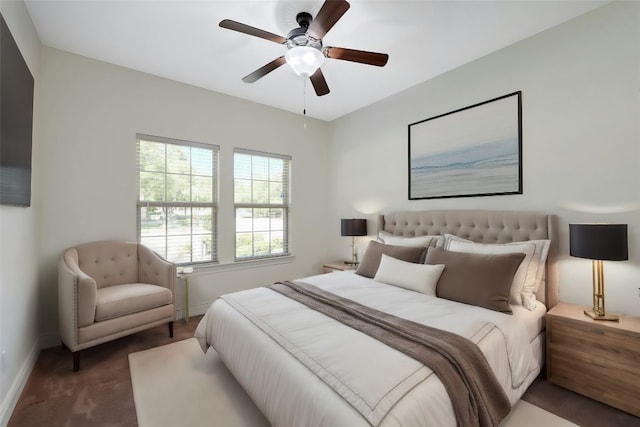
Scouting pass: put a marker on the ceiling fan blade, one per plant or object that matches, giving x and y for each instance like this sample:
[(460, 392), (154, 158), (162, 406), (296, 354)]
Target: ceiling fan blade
[(264, 70), (361, 56), (319, 83), (330, 12), (252, 31)]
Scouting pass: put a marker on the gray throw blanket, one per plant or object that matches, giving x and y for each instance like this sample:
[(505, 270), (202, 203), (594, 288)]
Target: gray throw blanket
[(477, 397)]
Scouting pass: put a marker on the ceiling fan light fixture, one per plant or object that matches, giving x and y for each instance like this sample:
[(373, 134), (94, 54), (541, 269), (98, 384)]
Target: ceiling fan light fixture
[(305, 52), (304, 60)]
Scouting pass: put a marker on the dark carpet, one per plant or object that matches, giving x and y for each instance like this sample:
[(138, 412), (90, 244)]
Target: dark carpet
[(100, 394)]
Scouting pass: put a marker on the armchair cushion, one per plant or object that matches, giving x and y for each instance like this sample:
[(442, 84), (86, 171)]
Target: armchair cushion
[(120, 300)]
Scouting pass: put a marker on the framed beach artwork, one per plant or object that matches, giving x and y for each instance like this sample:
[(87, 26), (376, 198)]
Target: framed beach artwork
[(473, 151)]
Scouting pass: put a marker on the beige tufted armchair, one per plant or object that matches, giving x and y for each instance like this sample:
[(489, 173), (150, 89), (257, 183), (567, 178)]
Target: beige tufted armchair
[(110, 289)]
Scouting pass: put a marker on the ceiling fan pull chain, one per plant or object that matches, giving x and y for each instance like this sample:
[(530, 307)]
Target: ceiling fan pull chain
[(304, 102)]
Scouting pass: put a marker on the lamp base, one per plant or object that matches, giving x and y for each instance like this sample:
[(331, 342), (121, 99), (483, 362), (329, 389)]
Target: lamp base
[(606, 316)]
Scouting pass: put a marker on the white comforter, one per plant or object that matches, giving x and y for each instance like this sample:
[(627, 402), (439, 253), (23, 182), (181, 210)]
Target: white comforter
[(303, 368)]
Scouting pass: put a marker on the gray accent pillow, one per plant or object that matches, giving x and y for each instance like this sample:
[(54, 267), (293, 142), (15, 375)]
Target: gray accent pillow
[(483, 280), (371, 259)]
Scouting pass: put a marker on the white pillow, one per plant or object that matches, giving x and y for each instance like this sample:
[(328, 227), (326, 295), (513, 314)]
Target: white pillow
[(418, 241), (416, 277), (529, 275)]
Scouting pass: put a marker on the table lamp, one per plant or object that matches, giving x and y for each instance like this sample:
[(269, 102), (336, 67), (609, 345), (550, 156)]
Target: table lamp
[(354, 227), (599, 242)]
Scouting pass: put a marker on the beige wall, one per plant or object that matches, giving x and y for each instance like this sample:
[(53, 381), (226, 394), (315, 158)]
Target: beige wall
[(19, 296), (91, 112), (580, 86)]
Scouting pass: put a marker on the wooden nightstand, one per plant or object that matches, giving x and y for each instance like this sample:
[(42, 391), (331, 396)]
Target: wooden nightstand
[(598, 359), (337, 266)]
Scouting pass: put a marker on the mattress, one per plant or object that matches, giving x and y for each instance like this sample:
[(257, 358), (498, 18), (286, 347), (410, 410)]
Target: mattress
[(302, 368)]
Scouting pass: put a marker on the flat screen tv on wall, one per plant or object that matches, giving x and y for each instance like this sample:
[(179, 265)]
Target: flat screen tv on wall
[(16, 122)]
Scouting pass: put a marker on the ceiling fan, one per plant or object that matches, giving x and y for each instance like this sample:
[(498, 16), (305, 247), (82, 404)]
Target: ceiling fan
[(305, 52)]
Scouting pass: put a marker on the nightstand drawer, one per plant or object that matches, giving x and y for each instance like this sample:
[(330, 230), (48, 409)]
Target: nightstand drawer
[(588, 371), (595, 340), (598, 378)]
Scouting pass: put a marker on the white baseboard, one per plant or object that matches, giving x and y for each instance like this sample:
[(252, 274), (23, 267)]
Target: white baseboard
[(11, 399), (194, 310), (197, 310)]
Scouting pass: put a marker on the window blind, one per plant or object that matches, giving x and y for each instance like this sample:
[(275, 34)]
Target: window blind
[(177, 198), (261, 199)]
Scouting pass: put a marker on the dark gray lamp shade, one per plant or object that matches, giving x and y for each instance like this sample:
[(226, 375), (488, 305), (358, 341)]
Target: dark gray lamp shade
[(604, 242), (354, 227)]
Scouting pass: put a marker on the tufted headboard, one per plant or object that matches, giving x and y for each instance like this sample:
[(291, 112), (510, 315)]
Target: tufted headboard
[(484, 227)]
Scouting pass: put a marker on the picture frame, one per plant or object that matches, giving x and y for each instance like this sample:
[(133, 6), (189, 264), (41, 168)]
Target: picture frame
[(472, 151)]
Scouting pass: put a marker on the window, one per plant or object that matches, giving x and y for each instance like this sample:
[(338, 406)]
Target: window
[(177, 209), (261, 195)]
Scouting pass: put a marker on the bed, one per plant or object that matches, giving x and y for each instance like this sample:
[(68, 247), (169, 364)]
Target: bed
[(301, 367)]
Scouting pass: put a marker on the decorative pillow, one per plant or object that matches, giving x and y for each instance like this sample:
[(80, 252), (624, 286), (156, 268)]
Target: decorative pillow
[(372, 255), (424, 241), (530, 273), (416, 277), (483, 280), (457, 244)]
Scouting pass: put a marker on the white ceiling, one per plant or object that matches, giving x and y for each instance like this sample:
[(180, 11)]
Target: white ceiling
[(181, 40)]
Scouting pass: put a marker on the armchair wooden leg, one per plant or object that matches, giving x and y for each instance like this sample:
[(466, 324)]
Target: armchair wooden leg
[(170, 329), (76, 361)]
